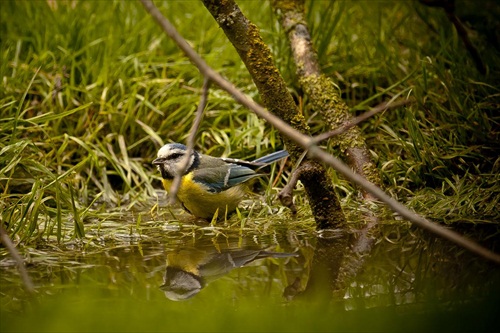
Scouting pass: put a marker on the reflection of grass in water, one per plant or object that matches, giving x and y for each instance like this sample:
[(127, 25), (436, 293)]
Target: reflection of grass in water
[(409, 282)]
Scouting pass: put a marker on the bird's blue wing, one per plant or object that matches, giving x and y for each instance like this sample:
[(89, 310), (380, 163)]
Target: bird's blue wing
[(219, 174), (221, 178), (238, 174)]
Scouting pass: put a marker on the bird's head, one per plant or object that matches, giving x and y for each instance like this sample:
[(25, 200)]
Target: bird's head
[(179, 285), (170, 158)]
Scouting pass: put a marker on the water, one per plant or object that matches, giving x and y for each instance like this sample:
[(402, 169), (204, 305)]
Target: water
[(203, 279)]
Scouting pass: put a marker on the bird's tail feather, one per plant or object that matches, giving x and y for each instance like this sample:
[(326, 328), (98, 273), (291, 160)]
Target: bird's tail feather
[(273, 157)]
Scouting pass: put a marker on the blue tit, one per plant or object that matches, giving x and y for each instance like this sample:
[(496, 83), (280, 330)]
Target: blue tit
[(210, 184), (189, 270)]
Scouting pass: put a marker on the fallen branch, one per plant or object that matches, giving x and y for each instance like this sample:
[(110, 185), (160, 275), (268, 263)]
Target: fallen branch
[(276, 97), (307, 143), (324, 97)]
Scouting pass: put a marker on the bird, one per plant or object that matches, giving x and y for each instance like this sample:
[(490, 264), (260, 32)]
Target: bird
[(189, 270), (210, 184)]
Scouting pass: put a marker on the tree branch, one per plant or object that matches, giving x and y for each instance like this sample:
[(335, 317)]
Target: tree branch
[(449, 7), (355, 121), (172, 194), (315, 152), (323, 94)]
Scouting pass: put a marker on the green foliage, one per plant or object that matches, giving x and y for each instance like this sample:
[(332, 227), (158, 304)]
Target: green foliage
[(91, 89), (382, 49)]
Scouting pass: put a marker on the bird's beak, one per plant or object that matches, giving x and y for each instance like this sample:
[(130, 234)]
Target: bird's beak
[(158, 161)]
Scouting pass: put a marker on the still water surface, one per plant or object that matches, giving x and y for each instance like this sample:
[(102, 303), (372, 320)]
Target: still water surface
[(201, 279)]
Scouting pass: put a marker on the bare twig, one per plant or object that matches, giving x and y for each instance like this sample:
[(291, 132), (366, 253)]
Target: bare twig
[(190, 141), (286, 194), (353, 122), (462, 32), (28, 284), (449, 7), (314, 151)]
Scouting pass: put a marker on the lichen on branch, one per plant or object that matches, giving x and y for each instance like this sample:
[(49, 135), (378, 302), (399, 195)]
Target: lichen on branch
[(258, 59)]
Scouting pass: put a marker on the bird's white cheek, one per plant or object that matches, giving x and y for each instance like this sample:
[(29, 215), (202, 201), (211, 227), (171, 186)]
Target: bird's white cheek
[(175, 169), (165, 169), (170, 169)]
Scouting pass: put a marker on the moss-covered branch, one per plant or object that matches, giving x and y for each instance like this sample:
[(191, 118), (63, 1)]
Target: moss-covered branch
[(322, 92), (245, 37), (315, 152)]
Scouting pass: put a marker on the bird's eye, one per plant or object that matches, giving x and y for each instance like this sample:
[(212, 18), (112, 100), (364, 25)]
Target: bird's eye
[(174, 156)]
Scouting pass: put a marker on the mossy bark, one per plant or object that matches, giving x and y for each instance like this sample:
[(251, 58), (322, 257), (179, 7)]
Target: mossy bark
[(245, 37), (322, 91)]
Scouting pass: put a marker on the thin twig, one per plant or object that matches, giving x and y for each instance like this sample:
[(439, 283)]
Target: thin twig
[(449, 7), (190, 141), (473, 51), (308, 144), (286, 194), (28, 284), (355, 121)]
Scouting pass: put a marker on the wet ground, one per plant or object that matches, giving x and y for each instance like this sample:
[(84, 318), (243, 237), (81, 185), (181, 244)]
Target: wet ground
[(203, 279)]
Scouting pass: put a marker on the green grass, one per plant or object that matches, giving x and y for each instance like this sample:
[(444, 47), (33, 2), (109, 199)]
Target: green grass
[(446, 144), (91, 89)]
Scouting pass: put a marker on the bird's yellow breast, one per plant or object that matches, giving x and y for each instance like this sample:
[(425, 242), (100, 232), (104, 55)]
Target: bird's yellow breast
[(202, 203)]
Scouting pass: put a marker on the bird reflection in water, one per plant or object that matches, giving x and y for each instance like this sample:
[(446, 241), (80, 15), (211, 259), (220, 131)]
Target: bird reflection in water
[(189, 270)]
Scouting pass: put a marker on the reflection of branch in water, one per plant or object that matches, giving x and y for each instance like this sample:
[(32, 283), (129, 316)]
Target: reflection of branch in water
[(189, 270), (337, 258), (7, 242), (324, 267)]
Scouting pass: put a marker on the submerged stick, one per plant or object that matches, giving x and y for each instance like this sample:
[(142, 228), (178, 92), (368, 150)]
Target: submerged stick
[(4, 237)]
